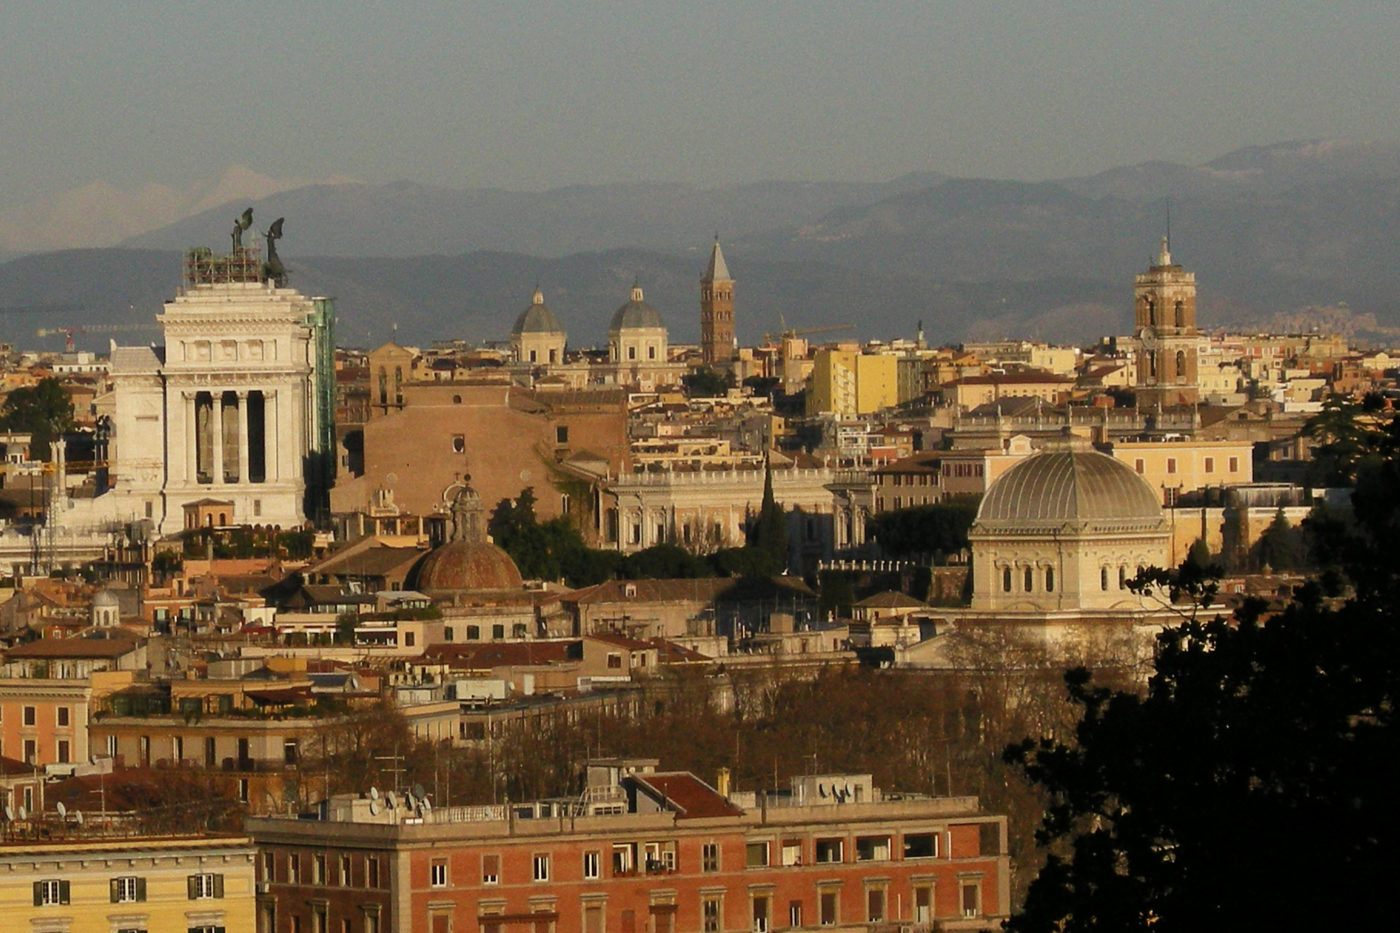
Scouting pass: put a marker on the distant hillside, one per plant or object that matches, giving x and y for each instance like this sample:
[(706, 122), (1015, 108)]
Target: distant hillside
[(1293, 232)]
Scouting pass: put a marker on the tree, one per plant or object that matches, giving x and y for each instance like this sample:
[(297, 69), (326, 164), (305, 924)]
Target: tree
[(1276, 546), (770, 533), (704, 383), (925, 529), (44, 411), (1346, 437), (1186, 807)]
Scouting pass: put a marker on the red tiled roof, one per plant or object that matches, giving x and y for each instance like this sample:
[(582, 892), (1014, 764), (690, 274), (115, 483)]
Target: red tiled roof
[(73, 648), (691, 797), (503, 654)]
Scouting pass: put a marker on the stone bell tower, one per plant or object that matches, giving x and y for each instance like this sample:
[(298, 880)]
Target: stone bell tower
[(716, 310), (1164, 300)]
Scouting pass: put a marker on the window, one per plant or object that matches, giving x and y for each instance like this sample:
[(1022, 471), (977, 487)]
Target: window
[(872, 848), (923, 903), (874, 905), (709, 857), (459, 443), (592, 864), (971, 898), (345, 871), (473, 633), (1234, 464), (50, 892), (64, 715), (540, 867), (1171, 464), (615, 661), (268, 867), (792, 851), (1029, 579), (1210, 464), (64, 751), (1103, 578), (829, 902), (920, 845), (29, 716), (794, 913), (760, 909), (1049, 579), (294, 868), (1006, 579), (498, 632), (128, 889), (593, 918), (490, 869), (756, 855), (624, 857), (205, 885), (651, 353), (437, 873), (631, 353), (710, 915), (830, 850), (561, 434), (372, 871), (1139, 465)]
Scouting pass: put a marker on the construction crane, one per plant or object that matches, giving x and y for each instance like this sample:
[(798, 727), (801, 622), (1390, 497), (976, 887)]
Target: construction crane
[(790, 334), (68, 331)]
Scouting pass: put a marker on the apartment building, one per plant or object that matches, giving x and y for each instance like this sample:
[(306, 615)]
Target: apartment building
[(637, 850)]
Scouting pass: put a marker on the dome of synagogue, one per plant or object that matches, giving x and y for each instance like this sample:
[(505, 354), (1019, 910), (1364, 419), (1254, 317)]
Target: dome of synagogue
[(636, 314), (106, 599), (469, 561), (1070, 486), (537, 319)]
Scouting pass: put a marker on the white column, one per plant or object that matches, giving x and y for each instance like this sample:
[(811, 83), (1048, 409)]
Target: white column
[(272, 435), (191, 429), (243, 436), (216, 428)]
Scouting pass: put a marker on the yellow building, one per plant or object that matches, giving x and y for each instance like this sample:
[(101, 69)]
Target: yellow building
[(848, 382), (107, 884), (1174, 468)]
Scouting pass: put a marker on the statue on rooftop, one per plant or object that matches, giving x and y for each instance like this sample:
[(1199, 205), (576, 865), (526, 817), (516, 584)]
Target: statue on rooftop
[(239, 225)]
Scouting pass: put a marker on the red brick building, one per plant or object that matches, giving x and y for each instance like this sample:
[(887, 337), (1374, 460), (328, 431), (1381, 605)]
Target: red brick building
[(638, 852)]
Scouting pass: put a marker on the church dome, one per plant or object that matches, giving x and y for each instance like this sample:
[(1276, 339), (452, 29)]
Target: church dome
[(469, 561), (636, 314), (537, 319), (1070, 486)]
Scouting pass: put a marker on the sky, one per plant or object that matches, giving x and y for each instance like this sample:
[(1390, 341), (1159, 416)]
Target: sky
[(541, 94)]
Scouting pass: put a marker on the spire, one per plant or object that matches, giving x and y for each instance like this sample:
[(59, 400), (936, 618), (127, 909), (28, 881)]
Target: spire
[(539, 296), (717, 271)]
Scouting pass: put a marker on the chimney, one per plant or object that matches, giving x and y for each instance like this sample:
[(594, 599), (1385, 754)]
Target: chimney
[(722, 782)]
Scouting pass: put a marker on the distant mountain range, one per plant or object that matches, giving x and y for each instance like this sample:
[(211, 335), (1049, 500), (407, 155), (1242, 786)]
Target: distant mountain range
[(1296, 232)]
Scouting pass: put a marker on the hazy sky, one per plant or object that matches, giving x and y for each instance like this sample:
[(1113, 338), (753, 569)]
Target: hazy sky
[(533, 94)]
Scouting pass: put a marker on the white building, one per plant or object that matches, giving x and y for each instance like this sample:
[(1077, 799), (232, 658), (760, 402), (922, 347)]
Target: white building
[(233, 410)]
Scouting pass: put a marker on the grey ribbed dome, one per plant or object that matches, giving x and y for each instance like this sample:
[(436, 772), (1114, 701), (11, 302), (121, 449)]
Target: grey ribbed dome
[(537, 319), (1070, 486), (636, 314)]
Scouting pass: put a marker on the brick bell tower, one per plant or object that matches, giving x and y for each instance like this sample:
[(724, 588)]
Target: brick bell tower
[(716, 310), (1164, 300)]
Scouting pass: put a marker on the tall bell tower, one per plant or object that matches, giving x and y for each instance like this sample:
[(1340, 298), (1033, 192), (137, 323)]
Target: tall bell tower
[(716, 310), (1164, 299)]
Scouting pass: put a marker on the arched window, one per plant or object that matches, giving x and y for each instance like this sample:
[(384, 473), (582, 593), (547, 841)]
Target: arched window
[(1030, 579), (1122, 578), (1152, 363), (1180, 313), (1103, 579), (1006, 579), (1049, 579), (1180, 365)]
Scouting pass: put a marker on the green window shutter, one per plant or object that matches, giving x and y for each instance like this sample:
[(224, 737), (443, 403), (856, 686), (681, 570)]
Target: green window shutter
[(189, 886), (112, 886), (140, 889), (219, 885), (63, 892), (38, 893)]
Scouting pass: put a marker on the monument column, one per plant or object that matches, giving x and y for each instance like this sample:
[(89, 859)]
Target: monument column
[(272, 435), (191, 429), (243, 435), (216, 425)]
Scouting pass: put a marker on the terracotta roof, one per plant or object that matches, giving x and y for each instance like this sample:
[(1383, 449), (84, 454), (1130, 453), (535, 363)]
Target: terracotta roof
[(890, 599), (73, 648), (690, 797), (502, 654)]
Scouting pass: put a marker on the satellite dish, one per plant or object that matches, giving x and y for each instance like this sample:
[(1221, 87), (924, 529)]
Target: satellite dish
[(78, 817), (9, 813), (425, 804), (23, 812), (419, 792), (62, 810), (821, 790), (392, 799), (374, 807), (374, 793)]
